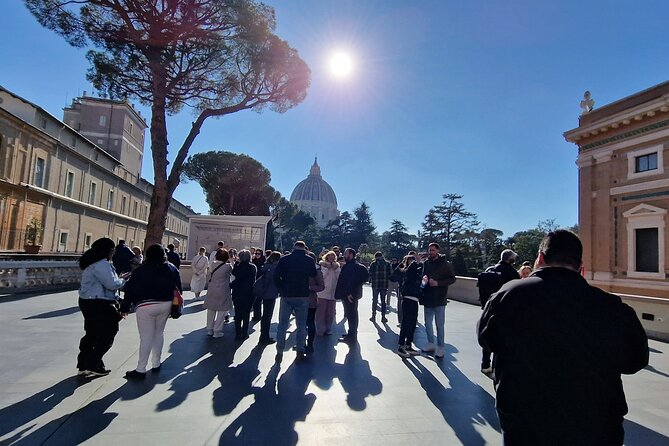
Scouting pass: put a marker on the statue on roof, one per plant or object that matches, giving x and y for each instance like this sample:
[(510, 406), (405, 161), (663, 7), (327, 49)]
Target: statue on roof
[(587, 104)]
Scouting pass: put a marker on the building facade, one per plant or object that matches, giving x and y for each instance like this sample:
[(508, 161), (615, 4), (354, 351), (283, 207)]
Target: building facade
[(316, 197), (72, 191), (624, 192), (114, 126)]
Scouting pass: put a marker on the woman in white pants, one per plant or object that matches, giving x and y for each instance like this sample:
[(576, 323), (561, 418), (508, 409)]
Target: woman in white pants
[(151, 290), (218, 300)]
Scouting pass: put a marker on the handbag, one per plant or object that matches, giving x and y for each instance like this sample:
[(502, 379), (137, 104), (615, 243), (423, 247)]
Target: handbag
[(177, 305)]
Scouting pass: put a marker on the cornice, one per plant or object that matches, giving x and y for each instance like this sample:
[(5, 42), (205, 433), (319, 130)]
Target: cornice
[(618, 120)]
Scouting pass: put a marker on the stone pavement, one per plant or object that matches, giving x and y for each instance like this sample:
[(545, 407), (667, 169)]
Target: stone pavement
[(217, 391)]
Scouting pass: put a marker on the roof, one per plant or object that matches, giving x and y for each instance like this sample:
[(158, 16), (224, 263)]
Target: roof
[(314, 188)]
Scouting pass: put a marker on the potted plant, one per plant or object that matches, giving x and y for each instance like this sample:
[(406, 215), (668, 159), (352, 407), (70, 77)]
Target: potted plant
[(33, 236)]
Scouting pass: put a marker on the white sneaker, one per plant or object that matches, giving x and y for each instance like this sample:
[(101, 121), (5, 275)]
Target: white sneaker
[(487, 371), (210, 332), (440, 352), (218, 334), (429, 348)]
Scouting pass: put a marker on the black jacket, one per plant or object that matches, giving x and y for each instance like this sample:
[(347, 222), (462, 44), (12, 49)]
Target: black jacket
[(440, 270), (292, 274), (242, 286), (174, 259), (351, 278), (561, 346), (122, 258), (412, 278), (151, 282), (507, 271)]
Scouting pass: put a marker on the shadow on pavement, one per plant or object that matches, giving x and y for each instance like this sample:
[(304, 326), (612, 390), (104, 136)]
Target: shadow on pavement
[(22, 412), (279, 404), (463, 405), (638, 435), (93, 418), (56, 313)]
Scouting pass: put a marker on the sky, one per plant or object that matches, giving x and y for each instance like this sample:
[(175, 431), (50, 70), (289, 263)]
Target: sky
[(444, 96)]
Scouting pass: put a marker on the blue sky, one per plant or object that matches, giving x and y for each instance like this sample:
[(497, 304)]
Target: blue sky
[(445, 97)]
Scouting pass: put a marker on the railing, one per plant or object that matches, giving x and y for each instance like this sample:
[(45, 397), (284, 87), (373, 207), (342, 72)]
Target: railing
[(18, 274)]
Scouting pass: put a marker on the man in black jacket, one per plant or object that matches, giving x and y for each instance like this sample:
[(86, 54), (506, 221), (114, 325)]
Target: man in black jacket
[(349, 289), (291, 278), (438, 274), (561, 346), (122, 258), (503, 272), (172, 256)]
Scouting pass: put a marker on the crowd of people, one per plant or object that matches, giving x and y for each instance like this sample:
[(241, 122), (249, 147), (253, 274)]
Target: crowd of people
[(539, 321)]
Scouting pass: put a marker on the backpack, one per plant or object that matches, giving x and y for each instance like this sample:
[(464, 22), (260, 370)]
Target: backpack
[(488, 282)]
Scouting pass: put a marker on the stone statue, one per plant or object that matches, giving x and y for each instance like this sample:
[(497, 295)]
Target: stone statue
[(587, 104)]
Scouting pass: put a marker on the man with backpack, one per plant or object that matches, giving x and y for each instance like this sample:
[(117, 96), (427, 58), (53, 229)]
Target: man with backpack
[(489, 282)]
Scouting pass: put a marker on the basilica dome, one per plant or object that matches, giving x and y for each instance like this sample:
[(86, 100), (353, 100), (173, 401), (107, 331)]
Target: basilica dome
[(315, 196)]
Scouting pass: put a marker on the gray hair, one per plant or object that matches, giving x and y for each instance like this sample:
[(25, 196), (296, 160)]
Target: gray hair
[(244, 256), (507, 255)]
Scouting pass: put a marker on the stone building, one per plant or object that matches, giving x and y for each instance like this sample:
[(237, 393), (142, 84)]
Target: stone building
[(624, 192), (54, 178), (114, 126), (315, 196)]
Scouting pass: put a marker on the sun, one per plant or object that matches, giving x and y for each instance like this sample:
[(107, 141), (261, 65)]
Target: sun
[(341, 64)]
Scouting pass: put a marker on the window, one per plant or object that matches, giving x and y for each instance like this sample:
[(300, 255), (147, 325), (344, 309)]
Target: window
[(134, 209), (115, 142), (647, 250), (91, 193), (62, 241), (645, 242), (110, 200), (69, 184), (103, 120), (645, 163), (101, 141), (42, 122), (123, 200), (39, 172), (87, 241)]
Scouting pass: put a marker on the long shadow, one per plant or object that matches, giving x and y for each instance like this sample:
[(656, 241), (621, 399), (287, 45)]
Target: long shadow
[(93, 418), (463, 405), (22, 412), (186, 375), (86, 422), (277, 408), (638, 435), (56, 313), (650, 368), (354, 375)]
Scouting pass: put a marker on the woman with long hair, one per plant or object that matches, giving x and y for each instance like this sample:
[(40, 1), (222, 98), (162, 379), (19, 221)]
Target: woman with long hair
[(218, 301), (150, 291), (410, 293), (242, 293), (98, 301)]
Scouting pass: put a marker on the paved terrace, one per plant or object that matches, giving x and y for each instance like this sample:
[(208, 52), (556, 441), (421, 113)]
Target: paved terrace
[(216, 391)]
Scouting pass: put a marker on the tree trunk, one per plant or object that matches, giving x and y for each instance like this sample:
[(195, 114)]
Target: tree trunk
[(161, 196)]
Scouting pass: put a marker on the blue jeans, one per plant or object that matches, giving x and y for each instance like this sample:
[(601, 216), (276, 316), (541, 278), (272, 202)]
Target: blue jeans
[(289, 305), (379, 293), (438, 316)]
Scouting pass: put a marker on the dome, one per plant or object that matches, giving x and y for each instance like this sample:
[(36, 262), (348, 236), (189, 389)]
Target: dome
[(314, 188)]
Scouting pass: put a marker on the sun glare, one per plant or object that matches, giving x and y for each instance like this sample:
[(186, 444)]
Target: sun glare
[(340, 64)]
